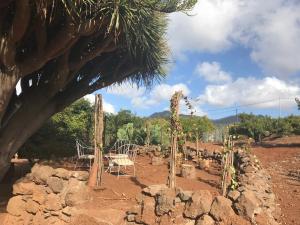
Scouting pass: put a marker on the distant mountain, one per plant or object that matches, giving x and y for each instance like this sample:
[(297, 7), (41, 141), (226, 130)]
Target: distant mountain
[(219, 122), (226, 120), (162, 114)]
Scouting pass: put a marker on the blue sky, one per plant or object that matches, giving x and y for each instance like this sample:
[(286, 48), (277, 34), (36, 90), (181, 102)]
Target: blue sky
[(230, 53)]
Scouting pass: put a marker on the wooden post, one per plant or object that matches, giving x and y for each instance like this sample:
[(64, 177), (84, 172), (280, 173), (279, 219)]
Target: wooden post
[(96, 172), (197, 145), (175, 127), (148, 134)]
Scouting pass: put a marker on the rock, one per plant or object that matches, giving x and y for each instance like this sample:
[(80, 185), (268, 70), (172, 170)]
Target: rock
[(64, 218), (221, 208), (234, 195), (130, 218), (15, 206), (32, 207), (185, 195), (23, 187), (76, 195), (41, 173), (157, 161), (62, 173), (52, 202), (55, 184), (67, 211), (165, 202), (204, 164), (80, 175), (148, 215), (247, 205), (39, 195), (38, 219), (188, 171), (199, 204), (205, 220), (153, 190)]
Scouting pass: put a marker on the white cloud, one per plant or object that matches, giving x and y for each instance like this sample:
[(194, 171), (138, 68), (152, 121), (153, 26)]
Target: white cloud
[(244, 91), (212, 72), (107, 107), (159, 93), (126, 89), (208, 28), (270, 29)]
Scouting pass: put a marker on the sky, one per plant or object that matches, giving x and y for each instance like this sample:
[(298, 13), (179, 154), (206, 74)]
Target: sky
[(227, 56)]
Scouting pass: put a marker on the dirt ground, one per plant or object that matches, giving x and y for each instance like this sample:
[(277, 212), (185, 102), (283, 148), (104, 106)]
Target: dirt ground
[(119, 194), (283, 164)]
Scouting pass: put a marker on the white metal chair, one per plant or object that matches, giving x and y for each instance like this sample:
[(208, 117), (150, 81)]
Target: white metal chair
[(126, 157), (84, 153)]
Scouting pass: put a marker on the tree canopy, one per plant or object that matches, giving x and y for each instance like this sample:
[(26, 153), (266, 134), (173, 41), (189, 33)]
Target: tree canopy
[(62, 50)]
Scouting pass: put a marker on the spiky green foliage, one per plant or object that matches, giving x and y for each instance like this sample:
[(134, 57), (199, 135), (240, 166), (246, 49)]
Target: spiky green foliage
[(61, 50)]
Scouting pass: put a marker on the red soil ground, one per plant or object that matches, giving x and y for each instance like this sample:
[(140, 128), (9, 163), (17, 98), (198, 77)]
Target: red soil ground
[(283, 164), (118, 195)]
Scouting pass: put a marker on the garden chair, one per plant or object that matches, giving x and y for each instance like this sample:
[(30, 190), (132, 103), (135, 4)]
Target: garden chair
[(84, 153), (127, 155)]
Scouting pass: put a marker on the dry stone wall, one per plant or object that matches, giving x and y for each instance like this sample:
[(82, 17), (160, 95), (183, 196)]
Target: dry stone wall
[(253, 202), (47, 196)]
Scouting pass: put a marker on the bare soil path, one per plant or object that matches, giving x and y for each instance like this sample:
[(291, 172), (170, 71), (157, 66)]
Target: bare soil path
[(283, 164)]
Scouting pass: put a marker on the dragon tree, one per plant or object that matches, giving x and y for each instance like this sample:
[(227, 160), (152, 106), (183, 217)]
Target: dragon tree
[(61, 50)]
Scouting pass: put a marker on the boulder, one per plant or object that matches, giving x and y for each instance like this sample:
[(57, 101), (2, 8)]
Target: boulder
[(16, 206), (233, 195), (248, 205), (165, 202), (52, 203), (185, 195), (80, 175), (199, 204), (77, 195), (55, 184), (41, 173), (23, 187), (39, 194), (221, 208), (62, 173), (205, 220), (153, 190), (148, 215), (32, 207), (188, 171)]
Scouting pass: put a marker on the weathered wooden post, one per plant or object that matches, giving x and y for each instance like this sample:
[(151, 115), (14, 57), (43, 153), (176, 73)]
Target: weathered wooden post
[(97, 168), (147, 133), (175, 127)]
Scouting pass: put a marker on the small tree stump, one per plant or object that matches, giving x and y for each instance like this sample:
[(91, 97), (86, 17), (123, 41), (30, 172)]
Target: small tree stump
[(157, 161), (188, 171)]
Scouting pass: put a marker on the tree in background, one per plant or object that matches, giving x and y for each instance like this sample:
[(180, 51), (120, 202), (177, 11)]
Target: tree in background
[(62, 50), (258, 126), (195, 126), (57, 136)]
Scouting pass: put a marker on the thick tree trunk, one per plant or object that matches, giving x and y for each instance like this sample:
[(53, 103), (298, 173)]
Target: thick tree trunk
[(7, 87)]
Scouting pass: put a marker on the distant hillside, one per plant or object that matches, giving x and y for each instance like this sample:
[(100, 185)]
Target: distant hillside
[(226, 120), (223, 121), (164, 114)]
